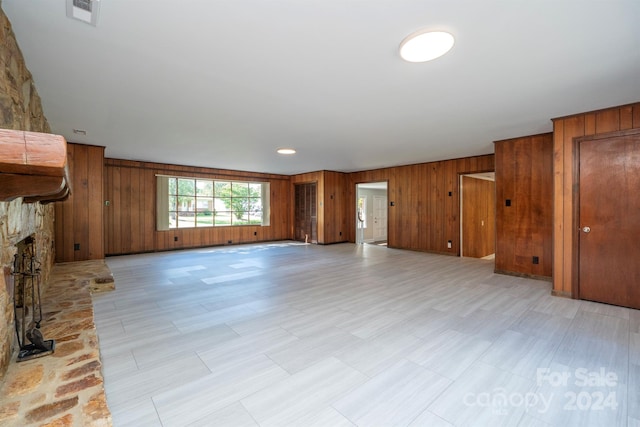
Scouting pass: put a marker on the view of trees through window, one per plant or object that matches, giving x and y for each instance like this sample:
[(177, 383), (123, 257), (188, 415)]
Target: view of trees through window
[(206, 203)]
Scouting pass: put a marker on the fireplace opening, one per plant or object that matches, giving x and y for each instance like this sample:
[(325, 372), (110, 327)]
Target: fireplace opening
[(27, 302)]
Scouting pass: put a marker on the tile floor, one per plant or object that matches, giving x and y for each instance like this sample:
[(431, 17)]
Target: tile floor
[(286, 334)]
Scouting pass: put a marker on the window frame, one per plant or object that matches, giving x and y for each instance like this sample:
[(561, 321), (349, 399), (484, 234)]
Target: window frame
[(229, 203)]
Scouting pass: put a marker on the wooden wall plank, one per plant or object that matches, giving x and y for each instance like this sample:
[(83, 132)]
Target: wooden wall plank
[(590, 123), (81, 216), (607, 121), (524, 171), (422, 186), (79, 219), (118, 212), (543, 171), (636, 116), (451, 199), (135, 202), (125, 211), (574, 126), (558, 206), (626, 117), (335, 207), (95, 240), (108, 213), (505, 215), (148, 223)]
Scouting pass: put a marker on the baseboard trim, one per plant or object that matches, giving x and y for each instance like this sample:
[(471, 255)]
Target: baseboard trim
[(528, 276), (563, 294)]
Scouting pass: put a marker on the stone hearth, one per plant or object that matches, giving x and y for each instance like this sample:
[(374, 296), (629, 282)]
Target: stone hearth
[(65, 388)]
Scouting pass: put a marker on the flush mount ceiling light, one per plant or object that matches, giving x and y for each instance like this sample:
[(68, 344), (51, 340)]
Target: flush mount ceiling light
[(425, 45), (286, 151)]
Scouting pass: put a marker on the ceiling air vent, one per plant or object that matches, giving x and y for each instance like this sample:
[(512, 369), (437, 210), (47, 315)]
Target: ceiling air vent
[(84, 10)]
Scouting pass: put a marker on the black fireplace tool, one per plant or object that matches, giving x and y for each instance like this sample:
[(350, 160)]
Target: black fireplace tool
[(27, 278)]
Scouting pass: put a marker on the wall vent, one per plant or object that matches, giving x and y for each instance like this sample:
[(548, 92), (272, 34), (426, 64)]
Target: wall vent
[(84, 10), (83, 4)]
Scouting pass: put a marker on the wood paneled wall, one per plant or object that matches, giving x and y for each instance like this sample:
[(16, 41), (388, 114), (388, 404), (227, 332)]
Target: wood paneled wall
[(335, 204), (524, 176), (565, 129), (78, 220), (478, 217), (426, 211), (331, 204), (130, 218)]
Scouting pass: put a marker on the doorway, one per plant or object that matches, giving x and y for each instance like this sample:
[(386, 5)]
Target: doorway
[(372, 213), (306, 216), (608, 218), (478, 215)]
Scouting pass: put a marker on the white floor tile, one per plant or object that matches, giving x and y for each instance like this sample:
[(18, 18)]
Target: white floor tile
[(394, 397), (287, 334)]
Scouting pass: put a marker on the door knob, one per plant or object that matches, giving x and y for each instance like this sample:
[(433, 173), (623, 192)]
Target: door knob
[(586, 229)]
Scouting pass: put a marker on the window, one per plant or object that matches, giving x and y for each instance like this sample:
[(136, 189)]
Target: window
[(194, 202)]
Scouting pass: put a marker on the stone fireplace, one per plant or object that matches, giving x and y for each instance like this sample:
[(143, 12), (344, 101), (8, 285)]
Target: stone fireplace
[(65, 388)]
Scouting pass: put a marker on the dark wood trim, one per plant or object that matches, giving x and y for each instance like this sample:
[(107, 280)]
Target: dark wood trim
[(608, 135), (525, 275), (419, 164), (575, 226), (601, 110), (167, 168), (562, 294)]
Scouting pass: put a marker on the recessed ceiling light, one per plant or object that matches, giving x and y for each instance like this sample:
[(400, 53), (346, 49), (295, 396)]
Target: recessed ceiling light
[(286, 151), (425, 45)]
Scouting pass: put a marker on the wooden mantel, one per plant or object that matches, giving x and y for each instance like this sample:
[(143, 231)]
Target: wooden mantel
[(34, 166)]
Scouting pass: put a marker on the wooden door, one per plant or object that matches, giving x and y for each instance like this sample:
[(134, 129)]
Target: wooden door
[(306, 219), (478, 217), (379, 218), (609, 220)]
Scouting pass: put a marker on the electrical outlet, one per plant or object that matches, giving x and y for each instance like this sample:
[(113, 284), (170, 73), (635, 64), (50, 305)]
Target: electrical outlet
[(449, 244), (76, 246), (175, 238), (536, 260)]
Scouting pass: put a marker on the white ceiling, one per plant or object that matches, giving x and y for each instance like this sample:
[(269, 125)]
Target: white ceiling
[(223, 83)]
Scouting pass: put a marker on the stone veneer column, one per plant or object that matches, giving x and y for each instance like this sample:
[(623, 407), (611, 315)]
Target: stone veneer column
[(20, 108)]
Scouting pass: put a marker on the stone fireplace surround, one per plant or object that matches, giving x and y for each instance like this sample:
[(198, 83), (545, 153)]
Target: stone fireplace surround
[(65, 388)]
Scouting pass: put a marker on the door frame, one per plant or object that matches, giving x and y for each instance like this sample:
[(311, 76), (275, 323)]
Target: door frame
[(295, 217), (475, 175), (575, 220), (355, 219)]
